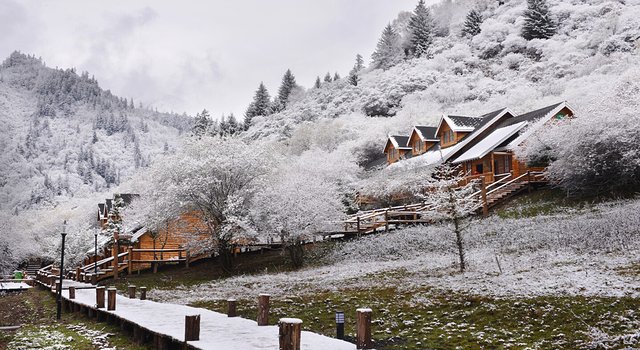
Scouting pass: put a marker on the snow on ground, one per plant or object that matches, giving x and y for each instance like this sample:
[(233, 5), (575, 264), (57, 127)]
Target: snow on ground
[(239, 333), (566, 254), (13, 286)]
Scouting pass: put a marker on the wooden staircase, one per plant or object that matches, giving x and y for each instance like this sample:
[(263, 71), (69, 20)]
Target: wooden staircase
[(371, 221)]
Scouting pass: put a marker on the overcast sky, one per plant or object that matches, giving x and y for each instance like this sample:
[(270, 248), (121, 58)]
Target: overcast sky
[(190, 55)]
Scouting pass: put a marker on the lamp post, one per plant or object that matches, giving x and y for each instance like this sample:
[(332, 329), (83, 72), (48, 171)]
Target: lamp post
[(95, 253), (64, 234)]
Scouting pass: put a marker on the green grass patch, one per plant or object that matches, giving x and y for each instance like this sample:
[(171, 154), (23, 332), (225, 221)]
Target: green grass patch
[(425, 318), (544, 202)]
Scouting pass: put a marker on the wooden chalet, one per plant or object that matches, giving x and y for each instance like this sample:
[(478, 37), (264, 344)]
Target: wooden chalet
[(483, 145), (396, 148), (180, 240), (422, 139)]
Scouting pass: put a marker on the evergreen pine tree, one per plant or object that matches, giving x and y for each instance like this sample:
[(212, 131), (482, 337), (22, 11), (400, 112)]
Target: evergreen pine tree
[(201, 124), (327, 78), (261, 105), (538, 22), (420, 31), (353, 77), (359, 63), (95, 137), (233, 126), (472, 24), (317, 84), (288, 84), (388, 51), (336, 77)]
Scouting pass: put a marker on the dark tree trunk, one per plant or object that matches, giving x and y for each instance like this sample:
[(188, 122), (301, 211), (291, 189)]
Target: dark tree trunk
[(296, 253), (226, 258), (459, 242)]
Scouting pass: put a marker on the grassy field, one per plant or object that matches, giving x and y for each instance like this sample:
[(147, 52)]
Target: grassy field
[(35, 310), (431, 319)]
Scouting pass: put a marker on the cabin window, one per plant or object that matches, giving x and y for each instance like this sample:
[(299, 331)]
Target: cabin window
[(392, 153), (479, 168)]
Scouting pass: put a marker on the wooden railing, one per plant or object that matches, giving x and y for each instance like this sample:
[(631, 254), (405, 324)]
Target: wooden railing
[(372, 220)]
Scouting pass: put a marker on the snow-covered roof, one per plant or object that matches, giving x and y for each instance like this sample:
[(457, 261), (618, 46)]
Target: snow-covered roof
[(398, 142), (536, 119), (490, 142), (426, 133), (488, 120), (136, 234)]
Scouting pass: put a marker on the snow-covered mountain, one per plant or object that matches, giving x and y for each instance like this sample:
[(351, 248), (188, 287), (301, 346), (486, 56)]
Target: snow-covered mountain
[(595, 43), (63, 136)]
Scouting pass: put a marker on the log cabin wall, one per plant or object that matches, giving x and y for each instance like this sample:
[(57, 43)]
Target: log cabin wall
[(176, 234)]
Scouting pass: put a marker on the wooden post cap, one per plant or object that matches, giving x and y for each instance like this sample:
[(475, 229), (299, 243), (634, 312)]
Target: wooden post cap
[(191, 327), (263, 309), (132, 292), (289, 330), (363, 328), (231, 308)]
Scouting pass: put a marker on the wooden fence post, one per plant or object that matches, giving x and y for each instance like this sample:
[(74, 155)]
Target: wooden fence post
[(57, 286), (187, 259), (132, 292), (72, 292), (78, 274), (289, 333), (485, 205), (143, 293), (386, 220), (231, 308), (100, 297), (263, 309), (111, 299), (94, 279), (191, 327), (116, 262), (529, 181), (358, 225), (363, 326), (129, 260)]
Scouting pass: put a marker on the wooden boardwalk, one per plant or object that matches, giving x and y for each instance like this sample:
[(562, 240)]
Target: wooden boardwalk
[(384, 219), (163, 324)]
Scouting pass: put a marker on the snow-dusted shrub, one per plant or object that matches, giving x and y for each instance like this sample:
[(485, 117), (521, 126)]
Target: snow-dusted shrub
[(602, 153), (615, 44), (513, 60)]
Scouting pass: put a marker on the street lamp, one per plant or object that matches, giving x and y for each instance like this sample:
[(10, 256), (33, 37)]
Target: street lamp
[(64, 234), (95, 253)]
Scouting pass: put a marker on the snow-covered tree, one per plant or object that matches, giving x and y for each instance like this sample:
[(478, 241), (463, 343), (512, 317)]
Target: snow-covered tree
[(327, 78), (420, 31), (472, 24), (538, 21), (293, 208), (201, 124), (359, 65), (260, 106), (287, 87), (451, 203), (336, 77), (389, 49), (353, 77), (318, 83), (214, 178)]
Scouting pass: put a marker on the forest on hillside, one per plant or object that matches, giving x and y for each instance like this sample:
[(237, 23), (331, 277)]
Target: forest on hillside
[(70, 144)]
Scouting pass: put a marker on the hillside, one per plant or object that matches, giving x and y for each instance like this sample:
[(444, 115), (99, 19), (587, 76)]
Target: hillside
[(595, 46), (64, 136)]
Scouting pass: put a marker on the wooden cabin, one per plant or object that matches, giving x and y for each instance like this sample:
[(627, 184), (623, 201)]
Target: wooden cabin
[(491, 155), (422, 139), (451, 129), (396, 148), (483, 145)]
